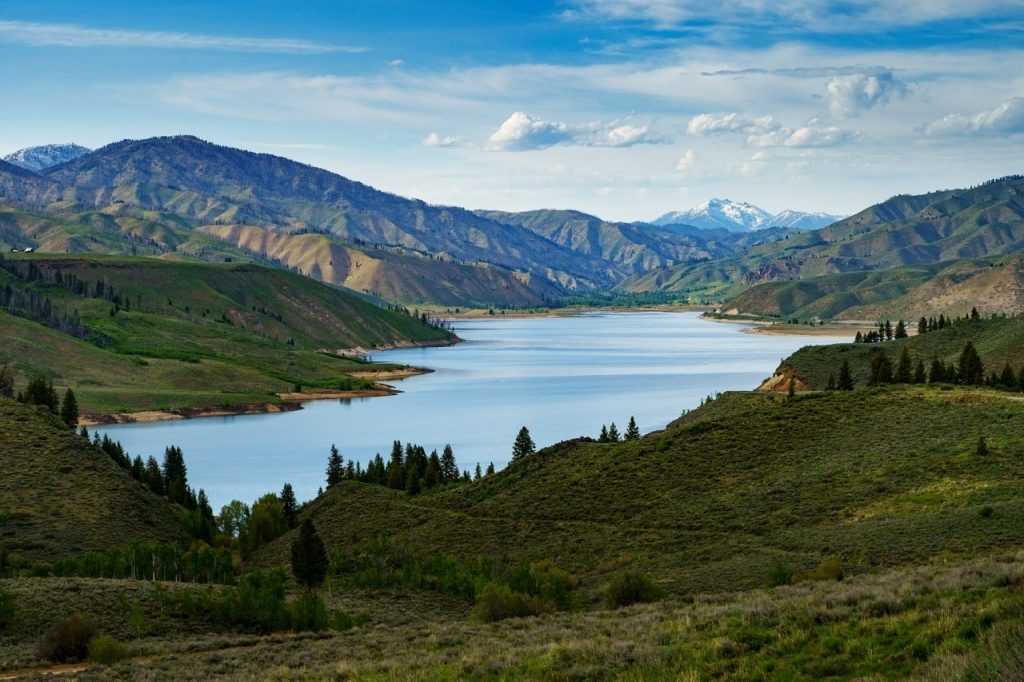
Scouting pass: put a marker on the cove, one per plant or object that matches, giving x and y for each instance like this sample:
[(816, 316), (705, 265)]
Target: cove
[(561, 377)]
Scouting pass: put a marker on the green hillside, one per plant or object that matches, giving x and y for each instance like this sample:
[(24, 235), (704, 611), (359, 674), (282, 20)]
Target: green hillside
[(991, 285), (998, 342), (60, 497), (160, 334), (874, 477), (905, 230)]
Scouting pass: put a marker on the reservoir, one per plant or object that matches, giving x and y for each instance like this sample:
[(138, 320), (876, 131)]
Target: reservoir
[(561, 377)]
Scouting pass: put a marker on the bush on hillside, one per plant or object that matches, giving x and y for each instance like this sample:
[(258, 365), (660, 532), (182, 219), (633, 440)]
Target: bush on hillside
[(631, 587), (829, 569), (498, 602), (106, 650), (7, 610), (779, 574), (68, 640)]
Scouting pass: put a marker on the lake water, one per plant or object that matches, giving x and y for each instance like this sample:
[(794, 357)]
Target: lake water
[(561, 377)]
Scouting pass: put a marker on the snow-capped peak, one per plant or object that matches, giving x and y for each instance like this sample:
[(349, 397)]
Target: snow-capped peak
[(38, 159), (738, 216)]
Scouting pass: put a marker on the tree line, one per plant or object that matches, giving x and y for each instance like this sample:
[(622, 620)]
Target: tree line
[(408, 468)]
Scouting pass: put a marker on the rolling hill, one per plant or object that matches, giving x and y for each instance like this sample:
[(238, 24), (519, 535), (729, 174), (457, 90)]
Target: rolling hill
[(62, 497), (137, 333)]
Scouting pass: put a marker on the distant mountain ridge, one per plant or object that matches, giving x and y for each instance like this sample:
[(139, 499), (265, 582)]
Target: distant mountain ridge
[(37, 159), (737, 216)]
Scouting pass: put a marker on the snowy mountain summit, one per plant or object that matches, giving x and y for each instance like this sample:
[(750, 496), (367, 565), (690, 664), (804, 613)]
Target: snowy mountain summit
[(737, 216), (38, 159)]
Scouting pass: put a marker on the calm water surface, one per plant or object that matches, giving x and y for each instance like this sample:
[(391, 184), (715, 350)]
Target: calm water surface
[(560, 377)]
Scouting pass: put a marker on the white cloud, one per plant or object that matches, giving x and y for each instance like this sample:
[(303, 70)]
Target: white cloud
[(788, 14), (523, 132), (708, 124), (687, 161), (848, 95), (765, 131), (435, 140), (1005, 119), (70, 35), (396, 63)]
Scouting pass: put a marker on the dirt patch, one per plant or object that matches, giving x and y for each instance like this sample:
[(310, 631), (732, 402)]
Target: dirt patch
[(782, 380)]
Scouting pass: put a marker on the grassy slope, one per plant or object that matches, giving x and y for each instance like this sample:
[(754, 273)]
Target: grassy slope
[(992, 285), (64, 497), (167, 351), (997, 341), (875, 477)]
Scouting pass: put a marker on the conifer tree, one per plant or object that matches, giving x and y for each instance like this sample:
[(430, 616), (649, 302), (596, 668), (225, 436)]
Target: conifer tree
[(478, 474), (603, 437), (901, 330), (922, 326), (982, 449), (974, 314), (309, 557), (937, 374), (919, 376), (412, 480), (858, 338), (69, 409), (881, 368), (970, 368), (613, 433), (903, 368), (845, 381), (490, 469), (888, 330), (523, 446), (831, 384), (154, 478), (1008, 379), (289, 505), (175, 475), (396, 473), (632, 432), (449, 469), (432, 476), (335, 467)]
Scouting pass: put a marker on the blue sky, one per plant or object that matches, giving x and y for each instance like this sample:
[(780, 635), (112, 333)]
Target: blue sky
[(623, 108)]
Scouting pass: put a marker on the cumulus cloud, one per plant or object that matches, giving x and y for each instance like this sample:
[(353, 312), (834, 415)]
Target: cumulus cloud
[(709, 124), (765, 131), (70, 35), (849, 95), (523, 132), (1005, 119), (687, 161), (435, 140)]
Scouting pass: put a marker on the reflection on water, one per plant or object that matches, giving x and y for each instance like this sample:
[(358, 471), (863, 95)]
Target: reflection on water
[(561, 377)]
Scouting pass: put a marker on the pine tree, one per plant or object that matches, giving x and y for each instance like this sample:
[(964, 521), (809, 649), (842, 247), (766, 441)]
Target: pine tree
[(903, 368), (632, 432), (919, 376), (831, 385), (396, 468), (859, 338), (289, 505), (974, 314), (154, 478), (309, 557), (613, 433), (937, 374), (69, 409), (432, 476), (490, 469), (901, 330), (7, 381), (970, 368), (845, 381), (478, 473), (603, 436), (922, 326), (1008, 379), (888, 330), (881, 369), (449, 469), (523, 446), (175, 475), (335, 468), (412, 480)]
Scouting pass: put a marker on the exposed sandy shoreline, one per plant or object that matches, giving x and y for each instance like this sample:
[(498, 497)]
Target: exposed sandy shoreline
[(786, 329), (481, 313)]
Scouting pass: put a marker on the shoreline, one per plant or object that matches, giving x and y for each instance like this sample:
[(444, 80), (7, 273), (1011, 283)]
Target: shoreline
[(482, 314), (774, 328)]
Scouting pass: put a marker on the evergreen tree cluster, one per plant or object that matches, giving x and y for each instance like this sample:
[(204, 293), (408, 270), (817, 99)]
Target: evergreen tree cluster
[(610, 434), (168, 480), (885, 332), (969, 370), (40, 391), (408, 468)]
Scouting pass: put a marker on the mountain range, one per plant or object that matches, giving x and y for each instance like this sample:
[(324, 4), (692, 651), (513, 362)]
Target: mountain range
[(181, 197), (738, 216)]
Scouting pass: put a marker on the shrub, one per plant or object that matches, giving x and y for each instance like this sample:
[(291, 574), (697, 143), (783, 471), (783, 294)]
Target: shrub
[(986, 511), (7, 610), (106, 650), (498, 602), (779, 574), (829, 569), (308, 613), (631, 587), (68, 639)]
